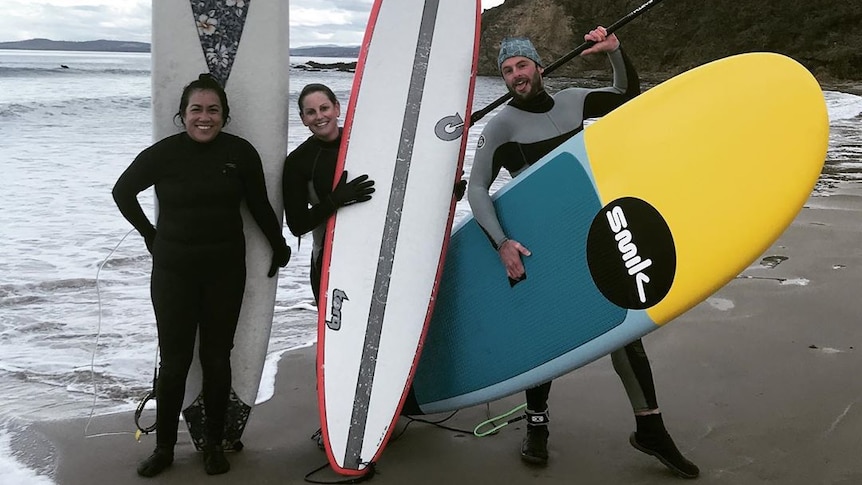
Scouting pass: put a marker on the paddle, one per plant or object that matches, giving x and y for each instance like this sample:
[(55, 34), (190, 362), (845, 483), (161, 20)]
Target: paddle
[(478, 115)]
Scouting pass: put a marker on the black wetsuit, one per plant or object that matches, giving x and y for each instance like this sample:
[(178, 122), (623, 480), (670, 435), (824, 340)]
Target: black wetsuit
[(198, 250), (521, 134), (309, 172)]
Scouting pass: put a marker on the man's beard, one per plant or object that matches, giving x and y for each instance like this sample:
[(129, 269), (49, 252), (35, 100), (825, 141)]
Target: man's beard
[(536, 87)]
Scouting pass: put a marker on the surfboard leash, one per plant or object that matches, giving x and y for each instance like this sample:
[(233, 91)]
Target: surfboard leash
[(495, 428), (150, 395), (96, 343), (477, 432), (140, 409), (438, 423), (372, 470)]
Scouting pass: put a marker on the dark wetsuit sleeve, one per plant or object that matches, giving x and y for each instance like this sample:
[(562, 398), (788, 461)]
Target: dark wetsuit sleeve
[(301, 218), (257, 200), (626, 86), (139, 176)]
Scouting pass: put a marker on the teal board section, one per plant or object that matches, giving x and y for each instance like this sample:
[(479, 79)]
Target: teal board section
[(485, 332)]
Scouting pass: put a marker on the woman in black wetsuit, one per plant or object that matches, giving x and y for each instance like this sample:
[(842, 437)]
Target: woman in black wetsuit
[(200, 176), (309, 173)]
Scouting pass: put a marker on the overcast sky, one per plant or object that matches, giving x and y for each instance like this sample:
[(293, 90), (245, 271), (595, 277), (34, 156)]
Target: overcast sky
[(312, 22)]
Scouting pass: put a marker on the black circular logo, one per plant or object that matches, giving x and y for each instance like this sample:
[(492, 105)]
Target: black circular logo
[(631, 254)]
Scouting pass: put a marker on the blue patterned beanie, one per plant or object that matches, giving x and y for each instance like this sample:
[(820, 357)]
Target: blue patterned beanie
[(517, 46)]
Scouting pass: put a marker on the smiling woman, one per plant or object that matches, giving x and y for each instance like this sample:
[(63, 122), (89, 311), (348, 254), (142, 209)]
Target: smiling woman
[(203, 117), (201, 176)]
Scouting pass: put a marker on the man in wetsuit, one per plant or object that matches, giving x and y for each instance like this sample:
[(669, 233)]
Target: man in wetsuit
[(530, 126)]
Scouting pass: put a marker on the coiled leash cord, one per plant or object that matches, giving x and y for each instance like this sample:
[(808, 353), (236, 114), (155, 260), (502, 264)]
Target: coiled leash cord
[(140, 409), (497, 427)]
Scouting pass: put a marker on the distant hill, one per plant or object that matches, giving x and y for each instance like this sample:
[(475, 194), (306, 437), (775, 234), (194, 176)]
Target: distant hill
[(325, 51), (127, 46), (87, 45)]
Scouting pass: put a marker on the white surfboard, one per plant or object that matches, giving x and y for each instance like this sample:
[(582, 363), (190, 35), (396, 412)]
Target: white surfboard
[(404, 128), (246, 47)]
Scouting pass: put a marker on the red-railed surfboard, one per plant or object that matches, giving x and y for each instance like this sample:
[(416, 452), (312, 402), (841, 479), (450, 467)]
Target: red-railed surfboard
[(404, 128)]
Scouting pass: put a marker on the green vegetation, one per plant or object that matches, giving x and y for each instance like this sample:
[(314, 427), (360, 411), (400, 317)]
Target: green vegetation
[(677, 35)]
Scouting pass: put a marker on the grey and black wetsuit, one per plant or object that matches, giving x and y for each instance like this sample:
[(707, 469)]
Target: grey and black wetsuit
[(521, 134), (309, 172), (199, 271)]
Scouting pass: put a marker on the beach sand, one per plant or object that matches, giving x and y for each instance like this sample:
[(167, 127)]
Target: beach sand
[(758, 384)]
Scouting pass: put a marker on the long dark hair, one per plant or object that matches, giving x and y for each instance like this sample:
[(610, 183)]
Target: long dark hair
[(204, 82), (316, 88)]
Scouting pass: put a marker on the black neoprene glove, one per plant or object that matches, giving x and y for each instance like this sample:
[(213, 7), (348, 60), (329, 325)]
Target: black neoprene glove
[(346, 193), (280, 258)]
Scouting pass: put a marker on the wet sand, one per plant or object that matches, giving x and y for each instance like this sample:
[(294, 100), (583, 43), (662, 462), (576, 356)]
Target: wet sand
[(758, 384)]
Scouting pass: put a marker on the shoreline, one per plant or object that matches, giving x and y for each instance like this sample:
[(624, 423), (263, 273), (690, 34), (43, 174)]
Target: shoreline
[(757, 385), (650, 79), (850, 86), (86, 405)]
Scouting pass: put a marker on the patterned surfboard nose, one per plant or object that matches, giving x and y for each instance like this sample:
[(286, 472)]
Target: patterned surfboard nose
[(220, 24)]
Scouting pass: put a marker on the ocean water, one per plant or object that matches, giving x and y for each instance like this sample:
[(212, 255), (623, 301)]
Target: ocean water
[(77, 333)]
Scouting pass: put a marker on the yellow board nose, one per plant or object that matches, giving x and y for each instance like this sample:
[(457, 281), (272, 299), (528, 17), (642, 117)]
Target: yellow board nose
[(728, 170)]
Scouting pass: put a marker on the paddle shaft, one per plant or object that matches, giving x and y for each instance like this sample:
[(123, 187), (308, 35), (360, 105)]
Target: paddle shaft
[(478, 115)]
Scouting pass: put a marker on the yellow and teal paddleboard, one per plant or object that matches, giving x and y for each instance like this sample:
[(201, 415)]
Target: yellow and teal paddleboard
[(631, 222)]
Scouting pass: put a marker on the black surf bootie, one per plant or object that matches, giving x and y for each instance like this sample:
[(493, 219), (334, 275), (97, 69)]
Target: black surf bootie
[(534, 448), (653, 439), (156, 463), (215, 463)]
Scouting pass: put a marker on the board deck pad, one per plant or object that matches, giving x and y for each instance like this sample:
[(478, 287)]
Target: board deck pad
[(245, 47), (631, 222), (571, 214), (404, 128)]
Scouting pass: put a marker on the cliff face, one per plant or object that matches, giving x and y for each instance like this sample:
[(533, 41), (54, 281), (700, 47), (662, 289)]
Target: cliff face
[(677, 35)]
